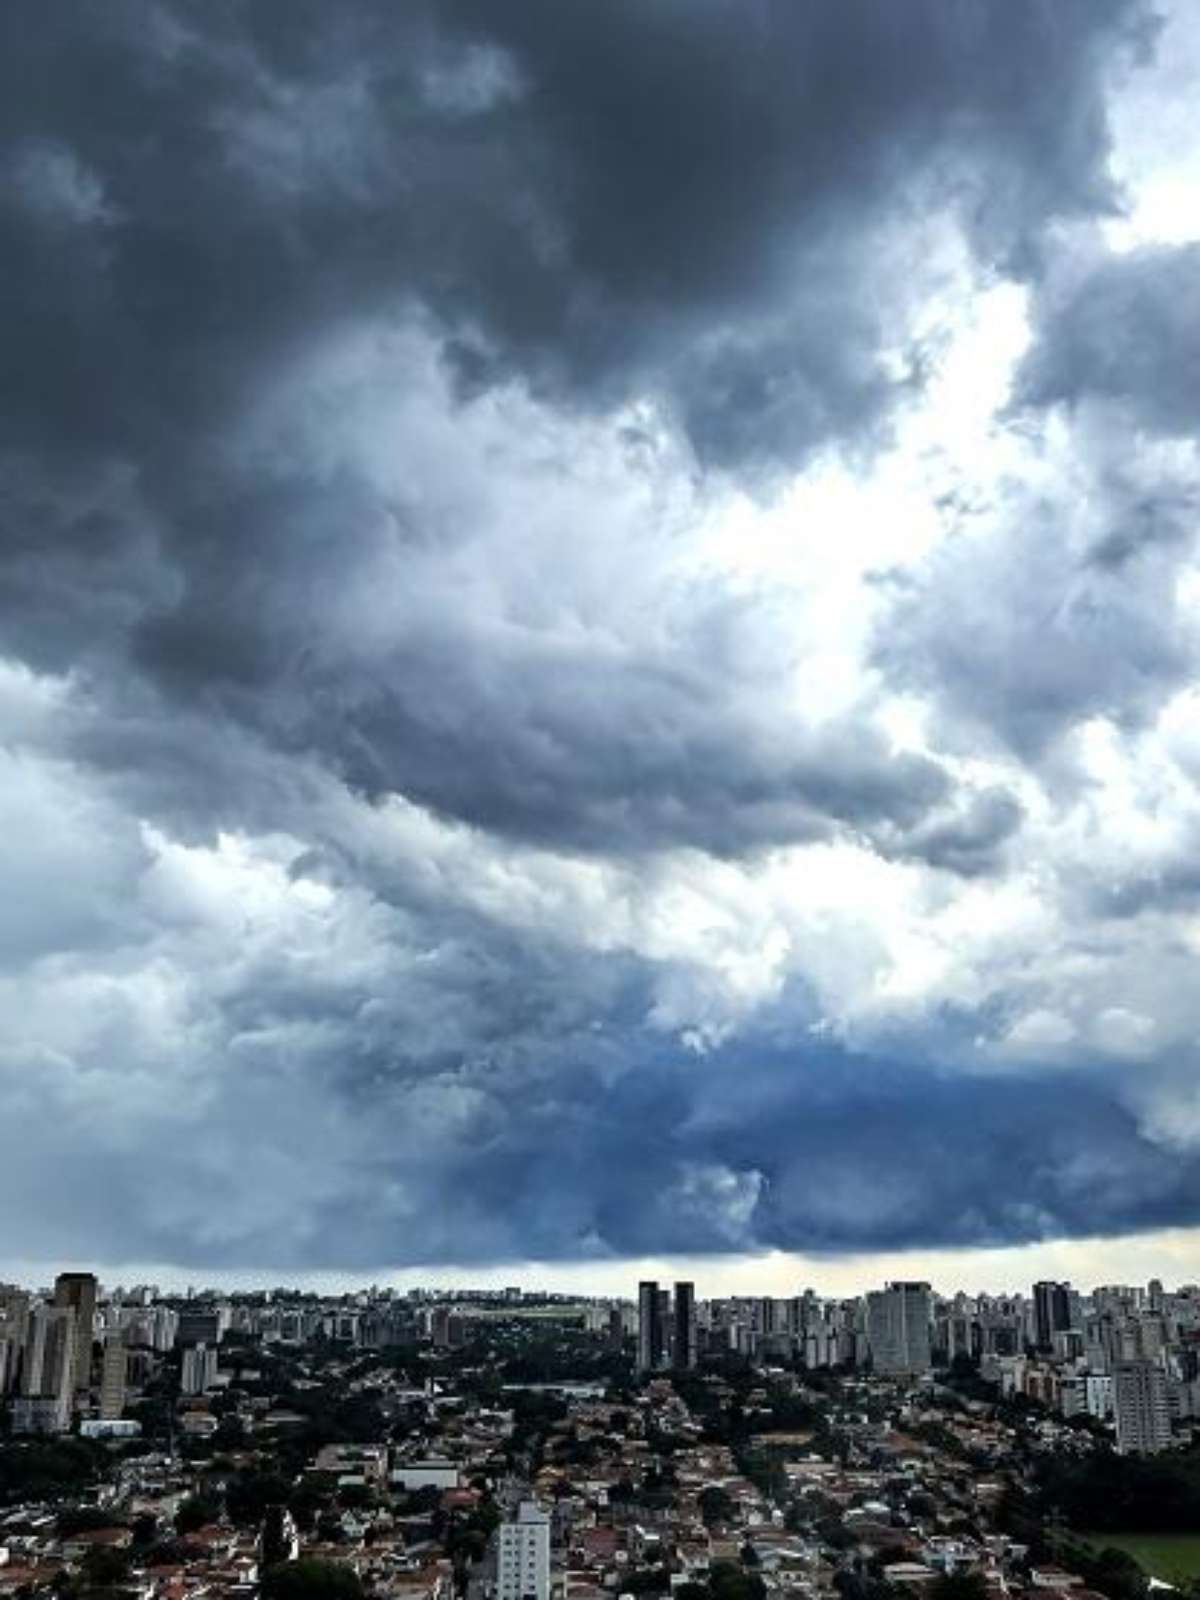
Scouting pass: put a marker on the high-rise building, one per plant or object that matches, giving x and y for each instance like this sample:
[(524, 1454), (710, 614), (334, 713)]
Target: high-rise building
[(1051, 1312), (650, 1329), (77, 1290), (1142, 1406), (683, 1353), (898, 1327), (523, 1563), (112, 1379), (666, 1327), (199, 1325), (47, 1372), (199, 1369), (14, 1330)]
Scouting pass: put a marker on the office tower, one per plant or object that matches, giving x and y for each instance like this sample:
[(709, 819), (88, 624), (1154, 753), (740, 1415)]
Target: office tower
[(199, 1369), (650, 1330), (683, 1353), (1051, 1312), (1141, 1404), (523, 1564), (898, 1320), (112, 1379), (77, 1290)]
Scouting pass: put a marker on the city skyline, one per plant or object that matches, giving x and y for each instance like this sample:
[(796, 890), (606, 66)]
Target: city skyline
[(619, 1280), (600, 640), (499, 1446)]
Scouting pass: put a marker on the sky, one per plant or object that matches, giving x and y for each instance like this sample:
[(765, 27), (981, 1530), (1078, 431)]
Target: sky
[(598, 641)]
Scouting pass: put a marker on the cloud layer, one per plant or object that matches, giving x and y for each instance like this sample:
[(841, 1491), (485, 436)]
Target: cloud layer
[(597, 632)]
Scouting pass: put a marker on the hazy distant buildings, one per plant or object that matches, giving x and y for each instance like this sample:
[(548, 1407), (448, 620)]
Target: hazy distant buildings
[(898, 1327)]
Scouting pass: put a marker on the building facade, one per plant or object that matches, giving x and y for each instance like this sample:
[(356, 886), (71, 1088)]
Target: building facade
[(898, 1328), (684, 1343), (77, 1291), (523, 1564), (651, 1343), (1142, 1406)]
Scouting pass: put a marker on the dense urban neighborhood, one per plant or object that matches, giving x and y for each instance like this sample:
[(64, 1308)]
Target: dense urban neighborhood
[(422, 1446)]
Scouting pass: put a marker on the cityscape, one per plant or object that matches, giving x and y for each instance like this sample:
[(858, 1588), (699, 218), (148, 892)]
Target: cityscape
[(600, 800), (501, 1445)]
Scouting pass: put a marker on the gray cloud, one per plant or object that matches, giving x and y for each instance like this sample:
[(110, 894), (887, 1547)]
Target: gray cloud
[(969, 840), (419, 782), (1032, 618), (1123, 329)]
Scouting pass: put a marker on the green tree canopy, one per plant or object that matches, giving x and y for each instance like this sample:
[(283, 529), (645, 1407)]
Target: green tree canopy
[(311, 1579), (195, 1512)]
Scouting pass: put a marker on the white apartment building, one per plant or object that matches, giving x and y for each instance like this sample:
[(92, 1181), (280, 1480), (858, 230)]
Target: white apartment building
[(199, 1369), (523, 1567)]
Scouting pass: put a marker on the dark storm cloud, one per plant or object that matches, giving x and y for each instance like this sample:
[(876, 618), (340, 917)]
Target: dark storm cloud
[(677, 198), (684, 202), (737, 1152), (295, 298), (822, 1154)]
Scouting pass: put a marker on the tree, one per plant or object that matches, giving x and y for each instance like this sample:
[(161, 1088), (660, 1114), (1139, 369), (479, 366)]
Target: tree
[(145, 1530), (197, 1511), (307, 1501), (249, 1494), (715, 1505), (46, 1469), (729, 1582), (167, 1553), (82, 1519), (104, 1567), (959, 1586), (646, 1580), (311, 1579)]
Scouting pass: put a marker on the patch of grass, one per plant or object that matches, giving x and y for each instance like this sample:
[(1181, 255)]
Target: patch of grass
[(1173, 1557)]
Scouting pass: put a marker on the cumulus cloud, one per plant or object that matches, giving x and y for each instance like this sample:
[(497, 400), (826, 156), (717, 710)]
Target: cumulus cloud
[(596, 617)]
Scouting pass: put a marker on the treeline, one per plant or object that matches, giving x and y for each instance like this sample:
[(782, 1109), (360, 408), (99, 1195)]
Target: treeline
[(47, 1469), (1107, 1493)]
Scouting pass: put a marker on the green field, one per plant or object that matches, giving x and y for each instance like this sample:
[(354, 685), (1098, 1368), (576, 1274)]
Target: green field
[(1173, 1557)]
